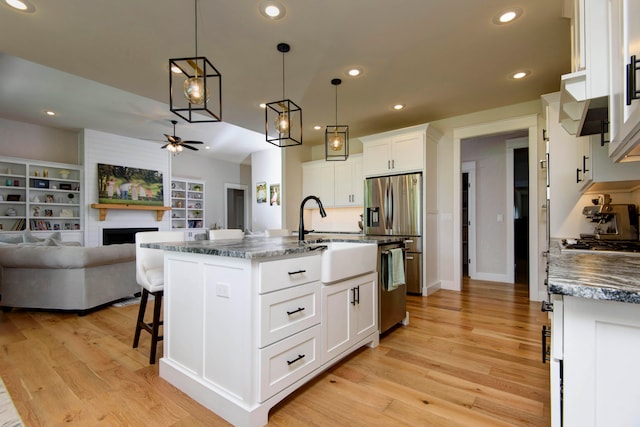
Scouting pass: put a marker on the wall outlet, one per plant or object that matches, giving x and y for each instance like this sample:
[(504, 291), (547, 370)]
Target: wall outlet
[(222, 290)]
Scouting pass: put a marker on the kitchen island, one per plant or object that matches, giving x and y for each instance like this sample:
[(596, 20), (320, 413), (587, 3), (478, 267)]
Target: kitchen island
[(249, 321), (595, 342)]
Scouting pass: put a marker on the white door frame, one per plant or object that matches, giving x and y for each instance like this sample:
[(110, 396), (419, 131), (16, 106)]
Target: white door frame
[(529, 122), (470, 169), (246, 202)]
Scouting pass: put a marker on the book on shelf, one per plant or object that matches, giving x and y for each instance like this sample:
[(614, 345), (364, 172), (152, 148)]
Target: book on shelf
[(18, 225)]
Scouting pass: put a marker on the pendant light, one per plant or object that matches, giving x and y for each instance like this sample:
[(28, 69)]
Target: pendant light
[(283, 119), (196, 95), (336, 137)]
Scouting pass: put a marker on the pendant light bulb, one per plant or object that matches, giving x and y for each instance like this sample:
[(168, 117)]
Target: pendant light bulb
[(281, 123), (336, 142), (195, 91)]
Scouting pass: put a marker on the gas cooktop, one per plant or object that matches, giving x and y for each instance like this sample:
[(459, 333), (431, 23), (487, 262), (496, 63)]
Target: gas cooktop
[(600, 246)]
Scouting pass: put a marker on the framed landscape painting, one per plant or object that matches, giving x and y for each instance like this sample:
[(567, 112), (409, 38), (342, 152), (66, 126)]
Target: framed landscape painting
[(132, 186)]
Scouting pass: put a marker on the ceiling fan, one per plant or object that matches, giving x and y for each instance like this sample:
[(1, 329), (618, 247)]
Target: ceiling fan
[(176, 144)]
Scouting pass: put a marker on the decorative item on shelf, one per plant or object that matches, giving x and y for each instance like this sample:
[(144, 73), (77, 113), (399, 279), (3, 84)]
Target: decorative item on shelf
[(35, 211), (13, 197), (9, 171), (198, 205), (41, 183), (10, 212), (64, 174), (66, 213), (179, 204), (197, 188), (48, 212), (16, 183), (336, 137), (283, 119), (70, 196), (202, 86), (36, 173), (45, 173), (49, 198), (8, 182)]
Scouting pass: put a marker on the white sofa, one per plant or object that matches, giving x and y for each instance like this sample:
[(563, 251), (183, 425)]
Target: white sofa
[(65, 277)]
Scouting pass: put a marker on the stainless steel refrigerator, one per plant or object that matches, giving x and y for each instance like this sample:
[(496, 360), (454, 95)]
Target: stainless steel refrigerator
[(393, 207)]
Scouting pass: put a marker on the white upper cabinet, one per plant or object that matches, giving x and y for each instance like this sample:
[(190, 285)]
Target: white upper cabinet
[(583, 104), (318, 180), (349, 182), (337, 184), (393, 153), (624, 112)]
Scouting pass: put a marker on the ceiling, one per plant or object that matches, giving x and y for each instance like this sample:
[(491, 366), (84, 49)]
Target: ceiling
[(103, 64)]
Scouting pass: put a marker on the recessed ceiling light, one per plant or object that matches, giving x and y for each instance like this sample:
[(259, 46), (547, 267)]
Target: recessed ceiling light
[(175, 69), (21, 5), (506, 16), (520, 75), (398, 106), (317, 127), (49, 112), (272, 9), (262, 105), (354, 72), (206, 147)]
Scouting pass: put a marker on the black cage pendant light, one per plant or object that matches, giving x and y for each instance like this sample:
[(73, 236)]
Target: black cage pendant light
[(283, 119), (195, 93), (336, 137)]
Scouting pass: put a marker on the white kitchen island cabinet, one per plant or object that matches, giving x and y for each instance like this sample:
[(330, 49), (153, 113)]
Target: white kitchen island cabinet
[(242, 333), (595, 339)]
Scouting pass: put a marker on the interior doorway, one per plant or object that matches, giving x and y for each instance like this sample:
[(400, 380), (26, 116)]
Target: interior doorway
[(236, 212), (468, 219), (521, 214)]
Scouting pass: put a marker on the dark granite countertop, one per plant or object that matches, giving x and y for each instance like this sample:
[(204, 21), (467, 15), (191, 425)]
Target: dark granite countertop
[(267, 247), (602, 276)]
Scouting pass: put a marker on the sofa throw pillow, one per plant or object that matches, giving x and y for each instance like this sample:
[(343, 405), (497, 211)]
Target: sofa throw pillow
[(10, 238), (27, 237)]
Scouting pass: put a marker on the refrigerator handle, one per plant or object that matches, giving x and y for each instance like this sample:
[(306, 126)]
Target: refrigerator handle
[(386, 207), (391, 212)]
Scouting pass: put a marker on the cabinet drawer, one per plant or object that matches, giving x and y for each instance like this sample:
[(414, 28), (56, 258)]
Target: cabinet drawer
[(284, 273), (285, 362), (288, 311)]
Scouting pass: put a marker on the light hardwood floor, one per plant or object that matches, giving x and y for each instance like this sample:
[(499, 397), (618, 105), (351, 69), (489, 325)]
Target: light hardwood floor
[(466, 359)]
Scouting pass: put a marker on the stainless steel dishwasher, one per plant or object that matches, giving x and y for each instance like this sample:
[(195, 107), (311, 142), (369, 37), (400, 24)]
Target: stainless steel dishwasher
[(392, 303)]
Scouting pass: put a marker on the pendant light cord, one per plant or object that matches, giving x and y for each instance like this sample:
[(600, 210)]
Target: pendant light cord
[(283, 75), (336, 107), (196, 26)]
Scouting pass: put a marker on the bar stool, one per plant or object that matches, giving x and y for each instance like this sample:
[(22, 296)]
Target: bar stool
[(150, 275)]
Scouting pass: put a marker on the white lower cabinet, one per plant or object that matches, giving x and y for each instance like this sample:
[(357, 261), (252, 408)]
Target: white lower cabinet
[(349, 313), (600, 352), (242, 334)]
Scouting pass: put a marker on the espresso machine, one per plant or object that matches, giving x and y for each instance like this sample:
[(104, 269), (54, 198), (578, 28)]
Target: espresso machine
[(612, 221)]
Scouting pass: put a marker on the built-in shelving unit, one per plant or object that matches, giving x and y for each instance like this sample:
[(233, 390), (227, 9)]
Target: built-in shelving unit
[(40, 196), (187, 204)]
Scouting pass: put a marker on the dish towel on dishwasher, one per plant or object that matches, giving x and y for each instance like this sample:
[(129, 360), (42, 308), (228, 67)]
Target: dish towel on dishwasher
[(395, 270)]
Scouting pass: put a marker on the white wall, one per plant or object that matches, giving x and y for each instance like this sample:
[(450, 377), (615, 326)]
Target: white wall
[(35, 142), (215, 173), (99, 147), (266, 166)]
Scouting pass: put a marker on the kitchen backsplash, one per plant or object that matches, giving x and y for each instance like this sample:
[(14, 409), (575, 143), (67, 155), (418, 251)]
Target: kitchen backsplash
[(337, 219)]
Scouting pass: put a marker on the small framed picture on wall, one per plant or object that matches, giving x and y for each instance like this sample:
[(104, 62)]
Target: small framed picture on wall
[(261, 192)]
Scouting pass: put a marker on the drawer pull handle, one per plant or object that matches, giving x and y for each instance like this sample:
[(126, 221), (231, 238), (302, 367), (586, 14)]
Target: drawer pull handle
[(291, 273), (546, 351), (291, 362), (289, 313)]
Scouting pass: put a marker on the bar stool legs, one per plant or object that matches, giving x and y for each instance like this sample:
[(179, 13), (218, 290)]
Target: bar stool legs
[(154, 327)]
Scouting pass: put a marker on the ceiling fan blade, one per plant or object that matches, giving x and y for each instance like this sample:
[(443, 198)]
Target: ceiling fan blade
[(192, 142), (189, 147), (166, 145)]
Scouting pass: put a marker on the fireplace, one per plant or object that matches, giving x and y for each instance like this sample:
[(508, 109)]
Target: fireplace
[(114, 236)]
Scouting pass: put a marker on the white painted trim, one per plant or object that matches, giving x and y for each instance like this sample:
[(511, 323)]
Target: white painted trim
[(529, 122), (492, 277)]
